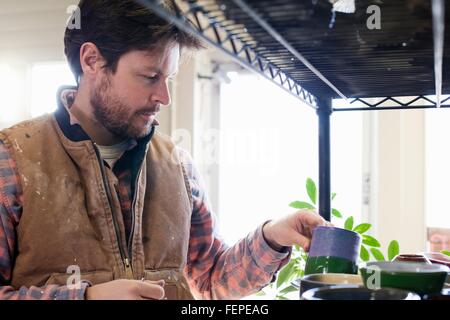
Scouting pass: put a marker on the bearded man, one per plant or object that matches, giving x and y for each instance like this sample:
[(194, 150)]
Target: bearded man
[(95, 189)]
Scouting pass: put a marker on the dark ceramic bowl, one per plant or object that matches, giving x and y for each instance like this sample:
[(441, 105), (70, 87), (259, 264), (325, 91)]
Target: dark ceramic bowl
[(358, 293), (447, 282), (438, 258), (318, 280), (419, 258), (444, 295), (417, 277)]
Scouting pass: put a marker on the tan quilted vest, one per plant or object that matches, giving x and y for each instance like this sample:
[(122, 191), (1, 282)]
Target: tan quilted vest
[(72, 215)]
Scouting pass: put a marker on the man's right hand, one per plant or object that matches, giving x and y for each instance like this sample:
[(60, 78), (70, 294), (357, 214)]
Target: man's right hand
[(127, 290)]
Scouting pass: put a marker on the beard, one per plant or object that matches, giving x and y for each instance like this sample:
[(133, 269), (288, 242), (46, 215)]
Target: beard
[(116, 116)]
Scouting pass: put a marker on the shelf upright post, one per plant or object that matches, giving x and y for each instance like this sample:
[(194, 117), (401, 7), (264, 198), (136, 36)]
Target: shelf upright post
[(324, 114)]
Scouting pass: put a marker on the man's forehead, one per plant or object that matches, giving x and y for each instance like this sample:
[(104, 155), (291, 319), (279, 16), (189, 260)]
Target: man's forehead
[(159, 61), (162, 50), (168, 73), (154, 68)]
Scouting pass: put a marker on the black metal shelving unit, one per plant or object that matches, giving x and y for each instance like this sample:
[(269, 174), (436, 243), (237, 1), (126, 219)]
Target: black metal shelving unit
[(319, 55)]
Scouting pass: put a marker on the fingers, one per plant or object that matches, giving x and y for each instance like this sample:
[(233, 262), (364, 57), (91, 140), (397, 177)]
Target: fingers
[(149, 290), (311, 212), (296, 228), (303, 242), (309, 221), (157, 282)]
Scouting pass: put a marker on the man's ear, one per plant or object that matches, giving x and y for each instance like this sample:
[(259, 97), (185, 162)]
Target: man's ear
[(91, 59)]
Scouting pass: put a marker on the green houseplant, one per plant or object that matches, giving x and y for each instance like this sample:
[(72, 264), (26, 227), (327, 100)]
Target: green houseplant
[(370, 247)]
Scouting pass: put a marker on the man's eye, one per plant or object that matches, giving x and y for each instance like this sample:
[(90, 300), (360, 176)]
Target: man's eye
[(152, 78)]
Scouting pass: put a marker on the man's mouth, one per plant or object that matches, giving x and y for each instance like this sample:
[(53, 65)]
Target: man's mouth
[(148, 116)]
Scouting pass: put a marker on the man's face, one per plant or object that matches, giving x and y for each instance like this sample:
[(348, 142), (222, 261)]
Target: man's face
[(127, 102)]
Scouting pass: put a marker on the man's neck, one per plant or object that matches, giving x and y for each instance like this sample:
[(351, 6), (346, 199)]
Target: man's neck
[(82, 110)]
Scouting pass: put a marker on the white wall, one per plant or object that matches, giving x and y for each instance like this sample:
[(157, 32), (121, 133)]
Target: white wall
[(30, 31), (399, 181), (33, 30)]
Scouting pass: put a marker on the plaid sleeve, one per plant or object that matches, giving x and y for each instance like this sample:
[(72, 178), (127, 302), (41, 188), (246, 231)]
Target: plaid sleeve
[(216, 271), (50, 292), (10, 212)]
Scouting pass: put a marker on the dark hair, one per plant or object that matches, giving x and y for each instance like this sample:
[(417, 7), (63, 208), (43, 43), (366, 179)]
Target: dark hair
[(117, 27)]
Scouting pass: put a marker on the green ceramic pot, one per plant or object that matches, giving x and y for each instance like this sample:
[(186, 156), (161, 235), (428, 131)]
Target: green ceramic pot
[(418, 277), (330, 264), (333, 250)]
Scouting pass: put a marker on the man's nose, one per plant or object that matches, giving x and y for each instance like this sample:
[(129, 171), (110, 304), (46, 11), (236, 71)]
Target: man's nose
[(162, 94)]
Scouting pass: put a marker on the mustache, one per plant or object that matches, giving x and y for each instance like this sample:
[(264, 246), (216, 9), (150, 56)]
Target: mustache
[(155, 109)]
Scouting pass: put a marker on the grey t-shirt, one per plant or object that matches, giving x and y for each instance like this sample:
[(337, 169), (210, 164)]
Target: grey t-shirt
[(113, 153)]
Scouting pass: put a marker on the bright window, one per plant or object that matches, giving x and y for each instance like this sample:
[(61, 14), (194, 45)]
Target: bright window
[(46, 79), (269, 146), (9, 93), (437, 171)]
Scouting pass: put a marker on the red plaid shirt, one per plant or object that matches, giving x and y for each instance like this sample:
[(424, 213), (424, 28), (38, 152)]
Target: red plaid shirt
[(214, 270)]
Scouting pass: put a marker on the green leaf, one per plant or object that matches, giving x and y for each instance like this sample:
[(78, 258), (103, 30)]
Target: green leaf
[(288, 290), (349, 223), (377, 254), (301, 205), (393, 249), (336, 213), (281, 298), (333, 195), (363, 227), (370, 241), (261, 293), (286, 273), (364, 254), (446, 252), (311, 189)]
